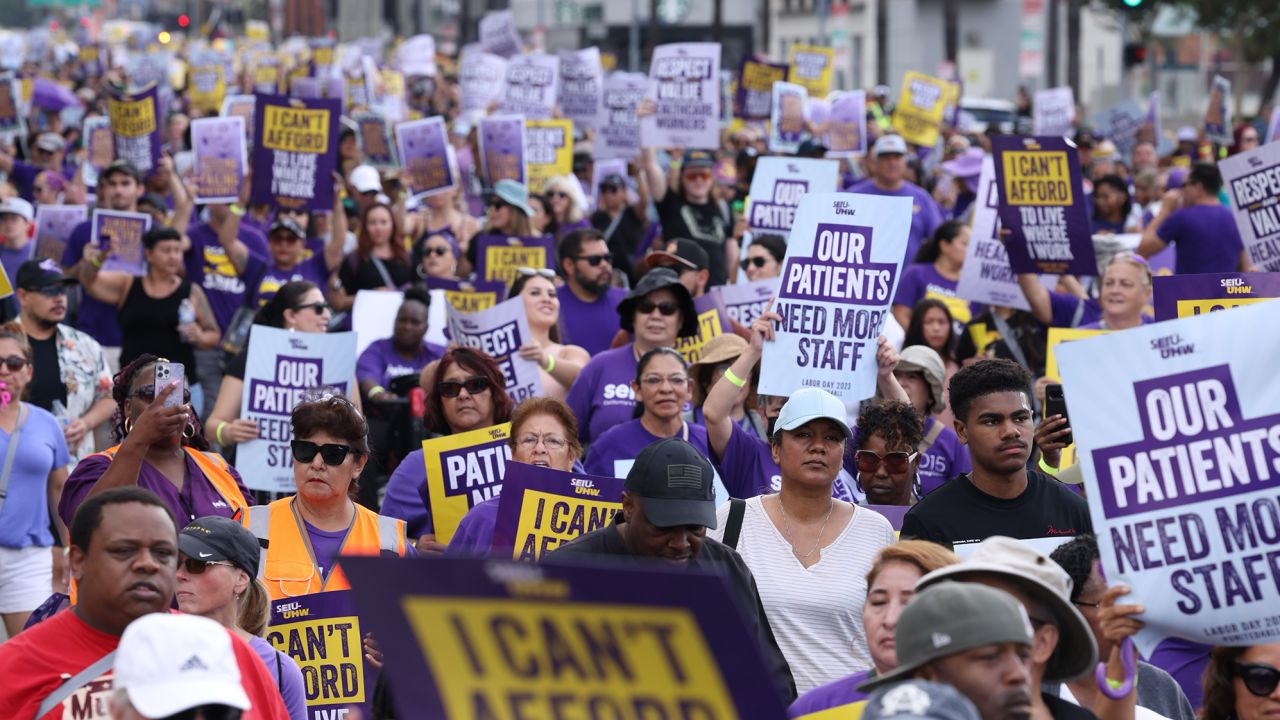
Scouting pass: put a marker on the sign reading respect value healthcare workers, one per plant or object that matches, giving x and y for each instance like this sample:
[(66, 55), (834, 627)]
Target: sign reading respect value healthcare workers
[(746, 301), (323, 634), (844, 259), (685, 89), (1179, 443), (486, 638), (463, 470), (499, 332), (1178, 296), (540, 508), (1252, 180)]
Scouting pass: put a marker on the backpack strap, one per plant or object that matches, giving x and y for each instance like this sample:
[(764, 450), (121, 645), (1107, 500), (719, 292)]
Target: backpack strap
[(75, 682), (930, 437), (733, 528)]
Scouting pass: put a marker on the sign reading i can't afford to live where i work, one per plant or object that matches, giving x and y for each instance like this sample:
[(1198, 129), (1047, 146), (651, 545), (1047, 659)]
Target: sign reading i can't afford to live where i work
[(1045, 221)]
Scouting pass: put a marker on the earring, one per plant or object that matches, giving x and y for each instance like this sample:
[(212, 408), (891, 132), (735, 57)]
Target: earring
[(128, 425), (189, 431)]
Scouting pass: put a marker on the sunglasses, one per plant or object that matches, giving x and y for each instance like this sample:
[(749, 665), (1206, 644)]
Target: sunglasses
[(441, 251), (644, 307), (697, 175), (208, 712), (14, 362), (496, 204), (540, 272), (318, 307), (557, 194), (1259, 679), (894, 462), (197, 567), (755, 261), (474, 385), (609, 189), (304, 451), (594, 260)]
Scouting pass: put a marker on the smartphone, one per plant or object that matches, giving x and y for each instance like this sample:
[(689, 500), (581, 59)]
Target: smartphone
[(1056, 404), (167, 372)]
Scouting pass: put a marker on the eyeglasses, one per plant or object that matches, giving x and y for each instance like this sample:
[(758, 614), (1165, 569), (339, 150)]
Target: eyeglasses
[(1259, 679), (698, 175), (756, 261), (318, 307), (197, 567), (52, 291), (557, 194), (550, 442), (609, 189), (304, 451), (595, 260), (547, 273), (894, 462), (441, 251), (284, 236), (653, 381), (14, 362), (474, 385), (646, 306)]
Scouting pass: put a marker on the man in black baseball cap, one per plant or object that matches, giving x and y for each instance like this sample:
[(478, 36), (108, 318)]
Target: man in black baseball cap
[(668, 504), (688, 259)]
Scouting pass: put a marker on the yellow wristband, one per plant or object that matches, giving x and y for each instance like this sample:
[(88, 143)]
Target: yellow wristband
[(375, 390), (551, 362), (236, 210), (217, 432), (1045, 467), (96, 261), (737, 381)]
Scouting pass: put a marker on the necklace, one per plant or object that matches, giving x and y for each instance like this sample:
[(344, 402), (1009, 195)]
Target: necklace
[(786, 530)]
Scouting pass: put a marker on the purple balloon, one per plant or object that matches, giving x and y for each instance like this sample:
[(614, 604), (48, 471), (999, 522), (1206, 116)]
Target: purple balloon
[(49, 95)]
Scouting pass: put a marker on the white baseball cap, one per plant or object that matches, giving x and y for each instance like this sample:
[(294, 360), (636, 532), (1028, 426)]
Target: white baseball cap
[(809, 404), (168, 663), (889, 144), (365, 178), (18, 206)]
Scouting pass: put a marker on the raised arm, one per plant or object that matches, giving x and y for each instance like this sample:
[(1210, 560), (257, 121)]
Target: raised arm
[(227, 225), (1151, 240), (653, 173), (886, 382), (204, 333), (337, 229), (110, 287), (722, 396), (183, 203), (1037, 296)]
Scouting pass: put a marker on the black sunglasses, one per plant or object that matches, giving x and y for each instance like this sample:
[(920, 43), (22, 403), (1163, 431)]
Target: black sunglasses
[(1259, 679), (644, 307), (53, 290), (558, 193), (474, 385), (441, 251), (14, 362), (609, 189), (319, 307), (304, 451), (208, 712), (756, 261), (594, 260), (497, 204), (195, 566)]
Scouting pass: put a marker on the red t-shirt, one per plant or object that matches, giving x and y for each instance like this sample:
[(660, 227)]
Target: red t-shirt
[(41, 658)]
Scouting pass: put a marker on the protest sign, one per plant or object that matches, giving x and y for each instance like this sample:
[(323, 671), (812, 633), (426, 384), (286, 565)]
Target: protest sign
[(220, 157), (779, 184), (374, 133), (305, 88), (618, 130), (416, 56), (531, 86), (745, 301), (481, 77), (602, 169), (499, 332), (816, 112), (466, 296), (135, 128), (1217, 118), (296, 152), (754, 97), (92, 59), (122, 233), (1054, 111), (373, 316), (846, 130), (266, 74), (473, 637), (464, 470), (1178, 296), (241, 106), (1120, 124), (986, 277), (844, 258), (281, 368), (498, 256), (581, 85), (1177, 446), (548, 151), (208, 85), (12, 125), (712, 322), (498, 34), (100, 148), (1273, 128), (540, 508), (811, 66), (786, 118), (428, 167), (918, 115), (685, 89), (502, 152), (392, 103), (1058, 336), (1252, 180), (323, 634), (1043, 213), (54, 224), (323, 55)]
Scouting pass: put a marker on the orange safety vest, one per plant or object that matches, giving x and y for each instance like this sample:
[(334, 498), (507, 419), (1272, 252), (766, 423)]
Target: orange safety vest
[(215, 468), (288, 566)]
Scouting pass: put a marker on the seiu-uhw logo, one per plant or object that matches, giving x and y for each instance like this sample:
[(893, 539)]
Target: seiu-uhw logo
[(1172, 346), (1236, 286), (297, 344), (842, 208), (584, 486)]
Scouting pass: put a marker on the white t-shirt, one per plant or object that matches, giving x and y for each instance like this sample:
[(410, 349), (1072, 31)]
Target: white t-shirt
[(815, 612)]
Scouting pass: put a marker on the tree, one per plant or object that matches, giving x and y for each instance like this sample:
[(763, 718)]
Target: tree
[(1251, 27)]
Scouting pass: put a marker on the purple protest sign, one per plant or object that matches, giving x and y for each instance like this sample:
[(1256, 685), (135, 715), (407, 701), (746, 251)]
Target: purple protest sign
[(1252, 180), (1043, 209), (501, 140), (1120, 124), (618, 130), (846, 131), (296, 152), (424, 152), (135, 127), (374, 134), (11, 123), (498, 34), (581, 85), (685, 89), (786, 126), (745, 301), (218, 144), (446, 624), (713, 320), (1217, 117), (1188, 295), (531, 86), (541, 508), (306, 88), (481, 76), (240, 106), (498, 256), (324, 634), (754, 97), (100, 148), (54, 224), (123, 232)]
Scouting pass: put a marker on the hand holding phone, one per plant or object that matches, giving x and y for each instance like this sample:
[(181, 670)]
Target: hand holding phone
[(1056, 404), (167, 372)]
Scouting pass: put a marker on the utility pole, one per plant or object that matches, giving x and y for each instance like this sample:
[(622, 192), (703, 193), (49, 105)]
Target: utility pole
[(951, 32), (882, 42), (633, 49), (1073, 48), (1051, 60)]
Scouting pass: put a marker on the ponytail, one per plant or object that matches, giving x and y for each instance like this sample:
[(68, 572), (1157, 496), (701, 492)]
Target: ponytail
[(255, 608)]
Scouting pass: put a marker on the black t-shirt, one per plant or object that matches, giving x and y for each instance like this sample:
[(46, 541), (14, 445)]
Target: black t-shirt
[(704, 223), (625, 238), (959, 513), (356, 273), (46, 376)]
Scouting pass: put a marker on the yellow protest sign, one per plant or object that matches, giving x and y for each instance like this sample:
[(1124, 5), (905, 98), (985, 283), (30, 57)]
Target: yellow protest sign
[(811, 66), (321, 632), (920, 108), (1061, 335), (464, 470), (542, 508), (500, 256), (1036, 177), (208, 87), (548, 151), (6, 287), (470, 301), (710, 324), (132, 118), (295, 129)]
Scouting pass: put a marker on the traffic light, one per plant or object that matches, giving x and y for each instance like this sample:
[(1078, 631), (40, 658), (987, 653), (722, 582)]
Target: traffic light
[(1133, 3), (1134, 53), (185, 20)]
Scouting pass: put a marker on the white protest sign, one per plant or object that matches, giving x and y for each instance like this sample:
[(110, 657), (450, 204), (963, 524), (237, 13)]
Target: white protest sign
[(684, 85), (1054, 110), (581, 86), (1179, 443), (481, 77), (618, 128), (746, 301), (417, 56), (373, 316), (1252, 180), (500, 331), (986, 276), (778, 185), (498, 34), (843, 262), (531, 86), (787, 117)]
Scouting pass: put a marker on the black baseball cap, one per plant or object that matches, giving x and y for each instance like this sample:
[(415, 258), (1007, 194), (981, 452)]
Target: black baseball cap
[(687, 255), (154, 201), (218, 539), (36, 274), (123, 166), (697, 159), (675, 483), (286, 223), (614, 181)]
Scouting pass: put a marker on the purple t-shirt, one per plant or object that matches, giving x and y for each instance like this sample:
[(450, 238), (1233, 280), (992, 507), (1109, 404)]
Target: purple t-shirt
[(271, 278), (474, 536), (326, 544), (601, 397), (1186, 661), (381, 363), (197, 498), (624, 442), (590, 325), (288, 678), (922, 280), (747, 466), (946, 458), (1071, 311), (835, 694), (926, 216), (97, 318), (1207, 238), (209, 267), (406, 496)]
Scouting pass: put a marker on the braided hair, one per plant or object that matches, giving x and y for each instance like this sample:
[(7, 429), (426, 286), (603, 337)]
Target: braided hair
[(123, 381)]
